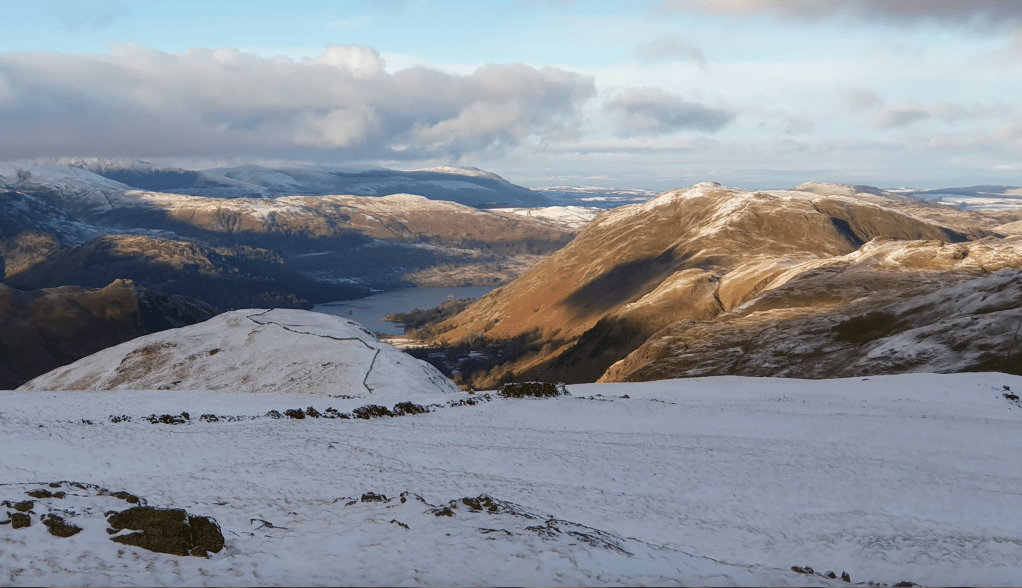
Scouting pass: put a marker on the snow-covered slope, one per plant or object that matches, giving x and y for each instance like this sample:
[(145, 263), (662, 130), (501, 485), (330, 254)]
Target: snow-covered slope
[(571, 217), (708, 481), (278, 351)]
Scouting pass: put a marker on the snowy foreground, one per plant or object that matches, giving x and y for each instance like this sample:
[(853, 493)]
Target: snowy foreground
[(714, 481)]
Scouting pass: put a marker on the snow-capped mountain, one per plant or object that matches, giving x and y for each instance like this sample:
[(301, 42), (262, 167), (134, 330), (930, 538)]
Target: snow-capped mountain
[(469, 186), (235, 252), (712, 280)]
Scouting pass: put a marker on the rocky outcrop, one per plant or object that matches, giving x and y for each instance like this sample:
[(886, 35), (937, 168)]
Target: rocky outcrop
[(167, 530), (708, 258)]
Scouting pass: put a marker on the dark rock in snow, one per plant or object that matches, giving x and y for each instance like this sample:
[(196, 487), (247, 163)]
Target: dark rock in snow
[(20, 520), (371, 411), (58, 527), (171, 531), (531, 390)]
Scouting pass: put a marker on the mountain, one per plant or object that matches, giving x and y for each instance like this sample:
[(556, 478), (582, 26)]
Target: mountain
[(283, 351), (286, 251), (468, 186), (43, 329), (701, 258)]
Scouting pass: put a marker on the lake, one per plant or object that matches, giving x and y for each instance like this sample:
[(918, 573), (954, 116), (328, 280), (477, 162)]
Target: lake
[(369, 312)]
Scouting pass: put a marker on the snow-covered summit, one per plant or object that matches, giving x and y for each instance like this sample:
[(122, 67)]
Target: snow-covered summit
[(255, 351), (473, 172)]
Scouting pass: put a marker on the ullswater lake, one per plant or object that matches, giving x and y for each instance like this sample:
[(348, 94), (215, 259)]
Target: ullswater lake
[(369, 311)]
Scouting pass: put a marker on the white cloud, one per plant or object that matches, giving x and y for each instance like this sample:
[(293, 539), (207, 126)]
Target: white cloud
[(652, 111), (359, 60), (141, 102), (910, 112), (340, 127), (988, 12), (668, 49)]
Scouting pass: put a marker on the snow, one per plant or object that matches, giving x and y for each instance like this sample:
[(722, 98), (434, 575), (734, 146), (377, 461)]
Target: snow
[(573, 217), (713, 481), (473, 172), (238, 351)]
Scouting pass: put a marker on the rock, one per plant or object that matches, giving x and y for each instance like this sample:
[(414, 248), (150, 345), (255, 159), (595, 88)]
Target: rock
[(373, 497), (40, 493), (371, 411), (530, 389), (59, 528), (206, 535), (846, 577), (404, 408), (20, 520), (830, 575), (24, 505), (125, 496), (171, 531)]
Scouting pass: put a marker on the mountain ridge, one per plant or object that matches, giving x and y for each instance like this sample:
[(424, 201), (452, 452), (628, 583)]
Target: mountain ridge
[(618, 282)]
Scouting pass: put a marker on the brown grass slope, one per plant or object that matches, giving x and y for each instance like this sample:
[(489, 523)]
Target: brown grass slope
[(690, 255)]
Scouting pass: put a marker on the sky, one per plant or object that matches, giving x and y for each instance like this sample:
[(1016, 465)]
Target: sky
[(648, 94)]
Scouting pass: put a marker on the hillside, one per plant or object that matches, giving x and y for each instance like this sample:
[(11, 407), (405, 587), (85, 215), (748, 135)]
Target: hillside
[(704, 256), (292, 251), (249, 351), (43, 329)]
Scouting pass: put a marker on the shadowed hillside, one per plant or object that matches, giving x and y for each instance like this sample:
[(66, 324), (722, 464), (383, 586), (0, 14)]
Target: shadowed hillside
[(44, 329)]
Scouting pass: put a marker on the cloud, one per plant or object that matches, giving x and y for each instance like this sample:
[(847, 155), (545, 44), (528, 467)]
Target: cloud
[(141, 102), (910, 112), (6, 92), (961, 11), (652, 111), (859, 100), (668, 50), (359, 60), (901, 116)]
